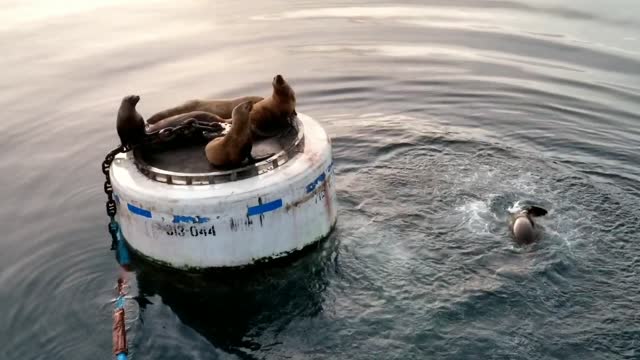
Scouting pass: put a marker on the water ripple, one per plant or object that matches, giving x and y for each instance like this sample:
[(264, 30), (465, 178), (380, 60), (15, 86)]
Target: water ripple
[(443, 117)]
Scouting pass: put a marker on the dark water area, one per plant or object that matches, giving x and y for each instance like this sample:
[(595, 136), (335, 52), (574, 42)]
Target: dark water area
[(444, 115)]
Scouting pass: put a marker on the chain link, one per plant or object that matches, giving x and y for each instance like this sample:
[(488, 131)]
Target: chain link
[(108, 189), (187, 128)]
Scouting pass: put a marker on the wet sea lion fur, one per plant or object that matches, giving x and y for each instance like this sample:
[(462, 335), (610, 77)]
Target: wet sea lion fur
[(522, 224)]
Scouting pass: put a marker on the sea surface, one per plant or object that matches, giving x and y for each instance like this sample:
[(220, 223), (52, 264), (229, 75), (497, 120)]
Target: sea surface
[(444, 115)]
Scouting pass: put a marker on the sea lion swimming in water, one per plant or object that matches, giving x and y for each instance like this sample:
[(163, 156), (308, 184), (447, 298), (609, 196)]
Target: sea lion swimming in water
[(522, 225), (233, 148), (130, 124), (221, 108), (273, 114)]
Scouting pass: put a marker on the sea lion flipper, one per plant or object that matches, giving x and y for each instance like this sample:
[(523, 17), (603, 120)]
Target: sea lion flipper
[(536, 211)]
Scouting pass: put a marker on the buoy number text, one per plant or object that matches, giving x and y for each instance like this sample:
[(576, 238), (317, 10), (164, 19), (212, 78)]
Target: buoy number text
[(193, 230)]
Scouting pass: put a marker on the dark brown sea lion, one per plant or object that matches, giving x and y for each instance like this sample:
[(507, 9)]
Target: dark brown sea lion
[(222, 108), (273, 114), (522, 225), (233, 148), (177, 120), (130, 124)]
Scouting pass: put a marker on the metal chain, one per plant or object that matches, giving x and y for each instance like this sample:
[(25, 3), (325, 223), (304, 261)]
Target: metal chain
[(184, 129), (162, 135), (108, 189), (119, 329)]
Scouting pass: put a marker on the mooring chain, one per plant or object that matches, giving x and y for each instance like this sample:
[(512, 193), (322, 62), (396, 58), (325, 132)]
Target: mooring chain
[(158, 136), (108, 189), (184, 129), (209, 130), (120, 348)]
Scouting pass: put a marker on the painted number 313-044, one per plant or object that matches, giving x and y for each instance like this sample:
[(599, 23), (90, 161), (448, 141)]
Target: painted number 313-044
[(193, 230)]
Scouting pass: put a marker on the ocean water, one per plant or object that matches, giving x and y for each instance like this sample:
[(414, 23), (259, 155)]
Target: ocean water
[(443, 114)]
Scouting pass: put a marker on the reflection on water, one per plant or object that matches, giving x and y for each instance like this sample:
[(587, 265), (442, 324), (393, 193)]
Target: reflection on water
[(443, 115), (234, 309)]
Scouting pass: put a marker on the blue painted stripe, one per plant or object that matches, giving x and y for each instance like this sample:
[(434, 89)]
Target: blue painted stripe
[(139, 211), (330, 168), (263, 208), (319, 180), (190, 219)]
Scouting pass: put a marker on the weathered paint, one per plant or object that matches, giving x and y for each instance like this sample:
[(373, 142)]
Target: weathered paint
[(230, 224), (189, 219), (139, 211), (263, 208)]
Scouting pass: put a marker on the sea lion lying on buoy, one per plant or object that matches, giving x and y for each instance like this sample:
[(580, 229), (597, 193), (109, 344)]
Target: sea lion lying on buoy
[(522, 225), (233, 148), (221, 108), (177, 120), (130, 124), (273, 114)]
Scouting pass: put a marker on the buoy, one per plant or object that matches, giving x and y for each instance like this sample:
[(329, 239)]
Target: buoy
[(176, 212)]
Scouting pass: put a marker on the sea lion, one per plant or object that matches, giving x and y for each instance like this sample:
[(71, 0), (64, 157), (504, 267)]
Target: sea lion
[(130, 124), (231, 149), (177, 120), (273, 114), (522, 225), (222, 108)]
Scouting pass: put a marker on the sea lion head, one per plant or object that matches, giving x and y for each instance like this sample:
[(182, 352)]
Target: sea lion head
[(284, 94), (282, 89), (523, 229), (242, 110), (523, 226), (279, 81), (131, 100)]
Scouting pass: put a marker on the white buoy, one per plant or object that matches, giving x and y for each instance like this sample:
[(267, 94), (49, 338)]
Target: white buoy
[(231, 218)]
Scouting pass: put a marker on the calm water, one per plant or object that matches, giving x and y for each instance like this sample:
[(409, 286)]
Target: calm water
[(443, 115)]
